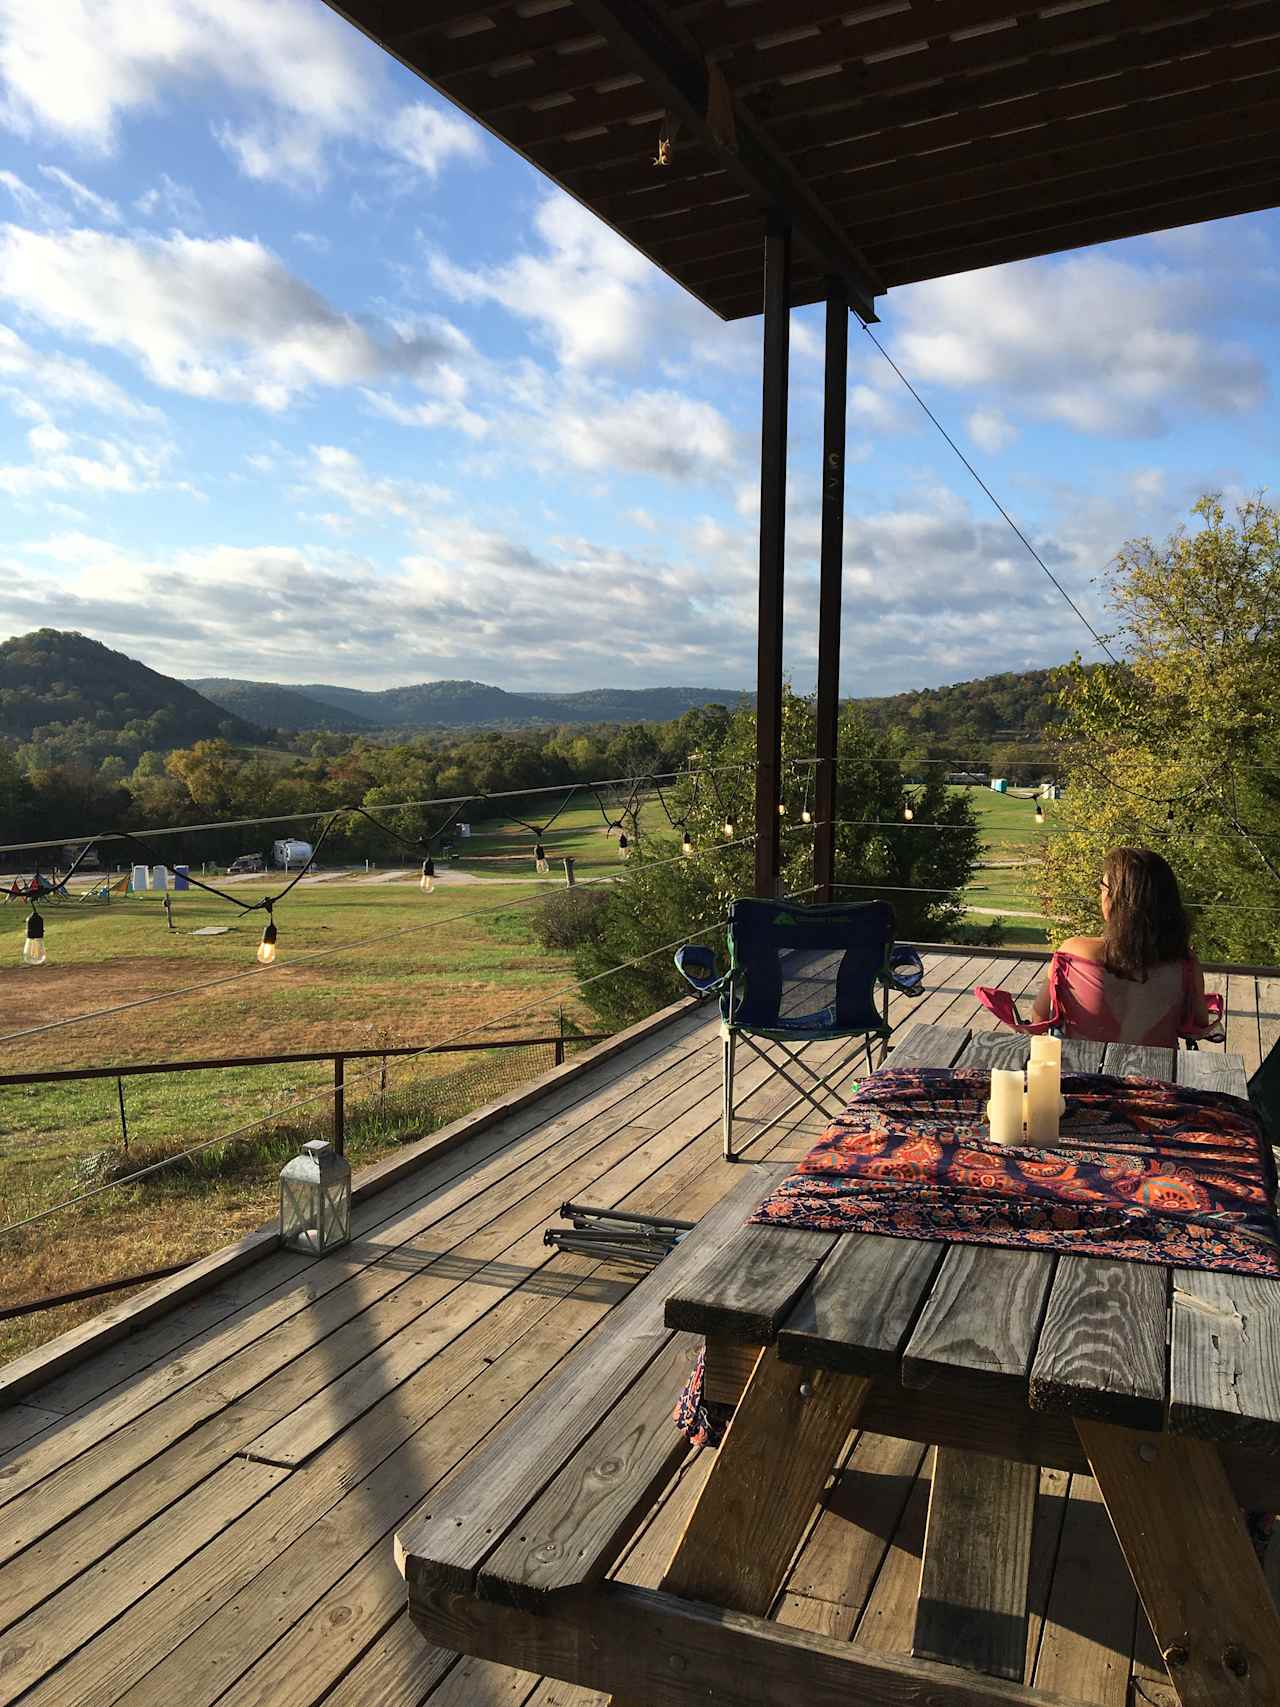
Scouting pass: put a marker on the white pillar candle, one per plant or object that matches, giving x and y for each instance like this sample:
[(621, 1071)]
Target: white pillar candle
[(1004, 1111), (1042, 1102), (1047, 1049)]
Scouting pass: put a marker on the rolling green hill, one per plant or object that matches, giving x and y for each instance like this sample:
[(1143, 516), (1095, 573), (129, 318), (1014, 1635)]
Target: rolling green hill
[(274, 706), (452, 705), (969, 719), (60, 687)]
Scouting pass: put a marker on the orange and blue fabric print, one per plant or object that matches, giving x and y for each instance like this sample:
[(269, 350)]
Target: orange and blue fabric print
[(1142, 1172)]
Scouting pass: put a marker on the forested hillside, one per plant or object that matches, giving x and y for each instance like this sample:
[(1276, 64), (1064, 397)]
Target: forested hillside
[(274, 706), (451, 705), (78, 701), (969, 718)]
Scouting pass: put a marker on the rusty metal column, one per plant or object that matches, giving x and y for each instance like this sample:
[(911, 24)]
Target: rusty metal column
[(773, 507), (826, 774)]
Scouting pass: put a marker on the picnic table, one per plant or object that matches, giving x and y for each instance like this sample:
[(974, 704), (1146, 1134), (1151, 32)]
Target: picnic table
[(1162, 1383)]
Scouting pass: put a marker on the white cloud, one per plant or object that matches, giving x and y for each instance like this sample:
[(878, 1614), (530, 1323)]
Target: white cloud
[(991, 430), (296, 76), (646, 432), (446, 412), (220, 319), (590, 295), (1093, 342), (85, 465), (429, 137), (32, 378), (469, 600), (339, 473), (176, 203), (31, 203), (87, 200)]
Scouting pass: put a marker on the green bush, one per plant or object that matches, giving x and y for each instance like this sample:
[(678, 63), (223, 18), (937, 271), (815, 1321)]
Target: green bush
[(568, 918)]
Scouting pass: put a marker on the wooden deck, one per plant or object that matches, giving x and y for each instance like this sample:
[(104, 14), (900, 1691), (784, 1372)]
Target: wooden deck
[(203, 1511)]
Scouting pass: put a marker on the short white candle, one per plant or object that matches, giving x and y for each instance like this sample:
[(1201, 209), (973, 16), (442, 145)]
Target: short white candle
[(1042, 1102), (1005, 1108)]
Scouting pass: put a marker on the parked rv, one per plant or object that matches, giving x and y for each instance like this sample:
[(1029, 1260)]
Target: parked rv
[(290, 853)]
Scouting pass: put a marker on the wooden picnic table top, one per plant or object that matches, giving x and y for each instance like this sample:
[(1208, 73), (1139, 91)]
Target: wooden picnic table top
[(1144, 1345)]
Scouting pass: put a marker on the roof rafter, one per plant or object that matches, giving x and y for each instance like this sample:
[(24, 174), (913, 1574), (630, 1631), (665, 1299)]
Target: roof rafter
[(679, 75)]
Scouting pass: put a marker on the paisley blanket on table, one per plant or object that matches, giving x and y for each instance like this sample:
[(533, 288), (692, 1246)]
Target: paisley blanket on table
[(1142, 1172)]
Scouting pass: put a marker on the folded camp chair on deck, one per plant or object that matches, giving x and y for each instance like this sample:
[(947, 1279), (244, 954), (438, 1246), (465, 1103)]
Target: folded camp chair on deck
[(799, 975)]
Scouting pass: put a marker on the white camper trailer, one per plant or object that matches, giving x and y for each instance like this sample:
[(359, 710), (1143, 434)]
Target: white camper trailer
[(290, 853)]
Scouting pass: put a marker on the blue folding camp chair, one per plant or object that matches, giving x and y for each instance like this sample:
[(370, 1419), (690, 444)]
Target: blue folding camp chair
[(799, 975)]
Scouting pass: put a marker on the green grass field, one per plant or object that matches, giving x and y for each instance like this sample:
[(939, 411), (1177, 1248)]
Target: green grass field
[(579, 833), (1011, 845), (359, 965)]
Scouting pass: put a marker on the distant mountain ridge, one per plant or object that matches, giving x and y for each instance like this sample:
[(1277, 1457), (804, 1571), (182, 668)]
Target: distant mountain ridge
[(272, 705), (450, 704)]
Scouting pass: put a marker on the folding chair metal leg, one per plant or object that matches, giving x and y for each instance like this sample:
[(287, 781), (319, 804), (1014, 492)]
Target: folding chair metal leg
[(729, 1042)]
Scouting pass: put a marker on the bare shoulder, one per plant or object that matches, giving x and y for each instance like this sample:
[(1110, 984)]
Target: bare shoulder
[(1083, 947)]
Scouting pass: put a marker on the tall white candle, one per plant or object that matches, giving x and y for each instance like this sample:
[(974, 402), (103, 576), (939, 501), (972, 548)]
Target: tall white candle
[(1005, 1107), (1047, 1049), (1042, 1102)]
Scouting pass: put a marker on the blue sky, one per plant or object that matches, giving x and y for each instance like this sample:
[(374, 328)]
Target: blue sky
[(305, 378)]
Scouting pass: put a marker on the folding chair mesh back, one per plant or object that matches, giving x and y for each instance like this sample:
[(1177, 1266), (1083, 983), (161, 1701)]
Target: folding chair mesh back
[(800, 975), (806, 972)]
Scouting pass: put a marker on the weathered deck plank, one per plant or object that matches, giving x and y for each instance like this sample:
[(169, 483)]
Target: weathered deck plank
[(292, 1594)]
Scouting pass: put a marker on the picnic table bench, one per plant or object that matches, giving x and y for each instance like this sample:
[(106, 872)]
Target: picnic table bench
[(1164, 1384)]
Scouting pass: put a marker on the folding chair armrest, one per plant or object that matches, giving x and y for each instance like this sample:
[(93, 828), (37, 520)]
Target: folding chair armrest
[(903, 971), (697, 966)]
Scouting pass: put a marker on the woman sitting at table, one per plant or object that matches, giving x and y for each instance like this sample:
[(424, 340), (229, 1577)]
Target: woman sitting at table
[(1138, 982)]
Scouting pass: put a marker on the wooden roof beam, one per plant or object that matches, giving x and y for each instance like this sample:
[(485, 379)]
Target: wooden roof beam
[(1246, 192), (831, 108), (1044, 125), (672, 66), (1248, 128)]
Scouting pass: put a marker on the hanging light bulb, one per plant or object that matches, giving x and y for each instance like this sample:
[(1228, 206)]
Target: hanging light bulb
[(686, 844), (908, 812), (1039, 811), (782, 809), (33, 948), (427, 881), (267, 947), (806, 817), (624, 846), (729, 828), (540, 860)]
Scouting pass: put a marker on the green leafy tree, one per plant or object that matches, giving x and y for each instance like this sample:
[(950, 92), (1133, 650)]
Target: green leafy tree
[(1176, 748), (661, 898)]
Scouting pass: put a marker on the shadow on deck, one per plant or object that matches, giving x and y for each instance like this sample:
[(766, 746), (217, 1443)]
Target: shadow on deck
[(202, 1512)]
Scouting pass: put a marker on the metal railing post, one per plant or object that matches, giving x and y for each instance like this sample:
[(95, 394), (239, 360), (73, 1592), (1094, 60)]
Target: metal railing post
[(124, 1125), (339, 1105)]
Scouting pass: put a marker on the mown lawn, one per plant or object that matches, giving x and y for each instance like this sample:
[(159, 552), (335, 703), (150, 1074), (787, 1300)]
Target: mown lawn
[(360, 965), (1012, 842)]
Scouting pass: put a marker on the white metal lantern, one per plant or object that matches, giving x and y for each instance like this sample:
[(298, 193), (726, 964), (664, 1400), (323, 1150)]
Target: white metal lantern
[(315, 1199)]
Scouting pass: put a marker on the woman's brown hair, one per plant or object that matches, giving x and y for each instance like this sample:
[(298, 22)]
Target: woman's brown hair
[(1146, 925)]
